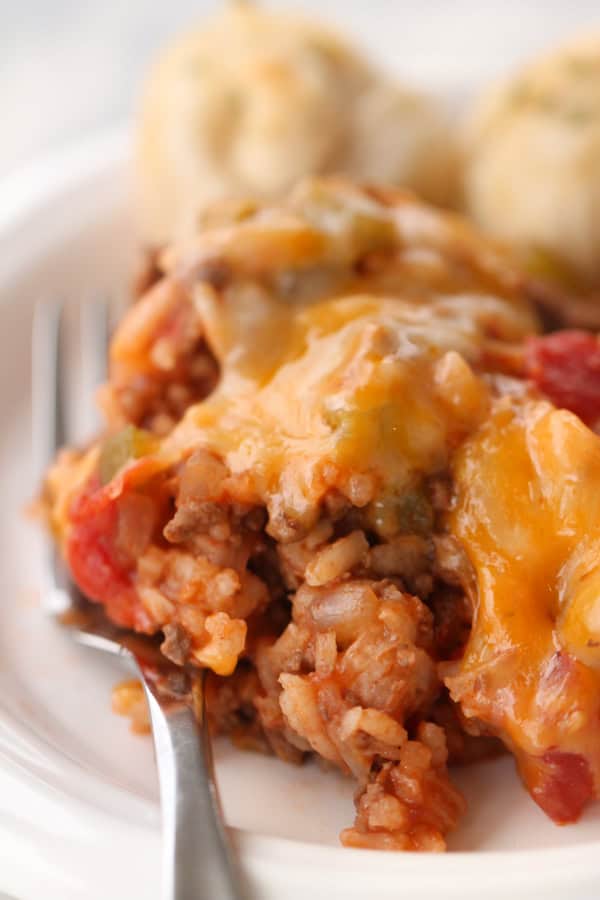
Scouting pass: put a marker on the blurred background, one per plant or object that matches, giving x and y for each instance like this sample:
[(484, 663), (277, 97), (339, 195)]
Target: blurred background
[(70, 69)]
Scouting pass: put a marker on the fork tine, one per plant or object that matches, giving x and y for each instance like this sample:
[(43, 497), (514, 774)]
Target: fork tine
[(48, 408), (93, 339)]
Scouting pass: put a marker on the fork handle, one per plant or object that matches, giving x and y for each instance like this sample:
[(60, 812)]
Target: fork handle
[(197, 862)]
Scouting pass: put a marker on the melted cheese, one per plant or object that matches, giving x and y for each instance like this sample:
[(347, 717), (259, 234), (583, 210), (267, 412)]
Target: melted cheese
[(528, 514), (312, 393), (330, 367)]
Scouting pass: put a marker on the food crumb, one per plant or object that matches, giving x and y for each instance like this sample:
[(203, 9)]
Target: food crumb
[(128, 699)]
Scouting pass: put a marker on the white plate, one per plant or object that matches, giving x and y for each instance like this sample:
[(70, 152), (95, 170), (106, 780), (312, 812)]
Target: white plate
[(78, 799)]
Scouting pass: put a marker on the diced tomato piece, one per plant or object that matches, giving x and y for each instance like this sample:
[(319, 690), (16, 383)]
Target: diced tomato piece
[(560, 783), (98, 566), (92, 559), (565, 366)]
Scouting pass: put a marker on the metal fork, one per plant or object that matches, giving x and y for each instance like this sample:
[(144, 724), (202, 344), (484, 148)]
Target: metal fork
[(197, 863)]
